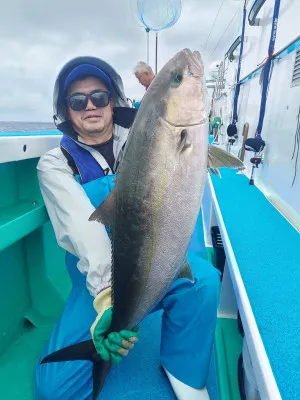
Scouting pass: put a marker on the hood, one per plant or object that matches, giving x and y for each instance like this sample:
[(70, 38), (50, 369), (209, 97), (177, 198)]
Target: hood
[(123, 113)]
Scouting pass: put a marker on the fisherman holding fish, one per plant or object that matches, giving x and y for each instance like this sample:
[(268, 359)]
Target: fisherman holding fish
[(92, 112)]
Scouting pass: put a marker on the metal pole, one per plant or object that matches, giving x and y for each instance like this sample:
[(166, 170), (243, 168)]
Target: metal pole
[(245, 137), (147, 32), (156, 40)]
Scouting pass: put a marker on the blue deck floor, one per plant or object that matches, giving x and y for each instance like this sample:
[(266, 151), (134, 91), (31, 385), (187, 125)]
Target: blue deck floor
[(266, 248), (139, 376)]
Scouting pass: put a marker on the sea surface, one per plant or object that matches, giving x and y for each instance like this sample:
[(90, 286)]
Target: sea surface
[(8, 126)]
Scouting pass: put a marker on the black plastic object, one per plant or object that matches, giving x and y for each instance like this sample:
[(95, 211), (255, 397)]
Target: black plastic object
[(255, 144), (241, 374), (257, 5), (231, 130), (256, 161), (219, 252), (233, 47), (239, 324)]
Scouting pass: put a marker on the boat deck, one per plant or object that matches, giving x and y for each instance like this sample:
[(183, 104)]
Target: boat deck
[(265, 250)]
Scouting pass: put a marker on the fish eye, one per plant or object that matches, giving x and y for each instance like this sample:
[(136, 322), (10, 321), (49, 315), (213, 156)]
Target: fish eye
[(176, 78)]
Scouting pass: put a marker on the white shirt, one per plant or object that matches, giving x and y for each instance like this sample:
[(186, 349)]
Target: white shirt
[(69, 210)]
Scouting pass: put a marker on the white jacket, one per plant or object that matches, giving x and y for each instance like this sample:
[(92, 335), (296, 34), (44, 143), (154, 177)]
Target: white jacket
[(69, 209)]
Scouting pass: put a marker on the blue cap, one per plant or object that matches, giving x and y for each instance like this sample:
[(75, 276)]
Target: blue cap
[(85, 70)]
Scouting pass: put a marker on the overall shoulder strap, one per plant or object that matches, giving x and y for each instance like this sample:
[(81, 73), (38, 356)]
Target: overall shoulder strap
[(81, 161), (70, 160)]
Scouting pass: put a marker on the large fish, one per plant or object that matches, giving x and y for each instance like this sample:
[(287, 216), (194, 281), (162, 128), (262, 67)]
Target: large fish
[(152, 210)]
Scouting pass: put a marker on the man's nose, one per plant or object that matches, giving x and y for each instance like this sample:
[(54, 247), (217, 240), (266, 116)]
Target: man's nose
[(90, 105)]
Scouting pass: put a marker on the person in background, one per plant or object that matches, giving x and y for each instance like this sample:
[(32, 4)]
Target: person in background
[(144, 74)]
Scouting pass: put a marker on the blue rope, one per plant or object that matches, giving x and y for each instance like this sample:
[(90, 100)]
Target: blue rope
[(238, 84), (279, 57), (266, 70)]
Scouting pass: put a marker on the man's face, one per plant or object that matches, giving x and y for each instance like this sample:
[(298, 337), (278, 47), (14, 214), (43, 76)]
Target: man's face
[(144, 78), (92, 120)]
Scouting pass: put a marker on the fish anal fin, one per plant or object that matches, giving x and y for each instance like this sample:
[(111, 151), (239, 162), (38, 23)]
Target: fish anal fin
[(106, 211), (186, 272)]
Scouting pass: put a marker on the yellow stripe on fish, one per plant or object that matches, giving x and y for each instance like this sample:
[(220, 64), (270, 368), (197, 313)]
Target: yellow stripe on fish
[(173, 108)]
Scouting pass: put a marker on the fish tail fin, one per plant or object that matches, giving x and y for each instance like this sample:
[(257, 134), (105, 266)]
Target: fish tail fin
[(100, 371), (83, 351), (79, 351)]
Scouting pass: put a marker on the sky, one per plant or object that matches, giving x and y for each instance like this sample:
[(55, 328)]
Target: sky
[(37, 37)]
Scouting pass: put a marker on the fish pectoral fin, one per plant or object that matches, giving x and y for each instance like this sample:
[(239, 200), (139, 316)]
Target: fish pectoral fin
[(106, 211), (218, 158), (186, 272)]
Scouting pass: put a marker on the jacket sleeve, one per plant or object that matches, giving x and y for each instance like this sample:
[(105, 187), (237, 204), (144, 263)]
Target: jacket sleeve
[(69, 209)]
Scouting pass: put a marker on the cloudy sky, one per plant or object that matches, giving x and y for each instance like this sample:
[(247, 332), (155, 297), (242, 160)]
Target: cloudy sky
[(37, 37)]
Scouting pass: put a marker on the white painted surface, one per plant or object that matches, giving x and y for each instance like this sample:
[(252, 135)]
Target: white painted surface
[(257, 37), (227, 305), (17, 148), (276, 174)]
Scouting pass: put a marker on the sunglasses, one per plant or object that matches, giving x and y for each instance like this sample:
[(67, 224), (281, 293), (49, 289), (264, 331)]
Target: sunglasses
[(79, 101)]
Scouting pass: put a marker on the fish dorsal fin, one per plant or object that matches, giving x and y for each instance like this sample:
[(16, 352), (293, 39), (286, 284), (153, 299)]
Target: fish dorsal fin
[(106, 211), (186, 272), (218, 158)]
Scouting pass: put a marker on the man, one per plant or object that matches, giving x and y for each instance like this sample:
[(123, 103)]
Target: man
[(92, 112), (144, 74)]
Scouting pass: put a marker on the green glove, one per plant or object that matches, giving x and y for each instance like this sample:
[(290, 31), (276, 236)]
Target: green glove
[(117, 344)]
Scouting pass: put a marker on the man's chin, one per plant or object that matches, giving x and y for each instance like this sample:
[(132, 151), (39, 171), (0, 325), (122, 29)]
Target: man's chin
[(91, 128)]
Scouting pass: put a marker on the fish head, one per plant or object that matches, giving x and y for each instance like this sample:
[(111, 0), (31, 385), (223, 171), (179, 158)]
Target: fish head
[(182, 88), (178, 94)]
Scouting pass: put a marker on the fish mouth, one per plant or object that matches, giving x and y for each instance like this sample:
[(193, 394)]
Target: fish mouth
[(195, 63)]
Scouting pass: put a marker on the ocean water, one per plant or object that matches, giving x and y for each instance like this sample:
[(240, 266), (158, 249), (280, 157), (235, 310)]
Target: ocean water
[(9, 126)]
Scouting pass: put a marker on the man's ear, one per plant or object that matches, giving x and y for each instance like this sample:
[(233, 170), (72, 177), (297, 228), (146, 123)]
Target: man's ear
[(65, 110)]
